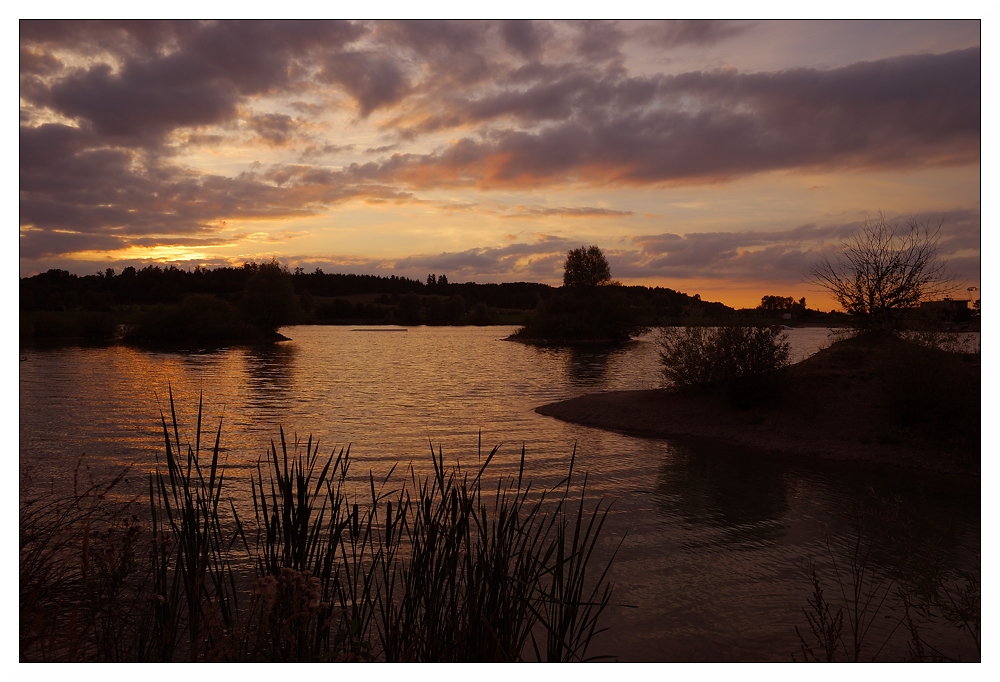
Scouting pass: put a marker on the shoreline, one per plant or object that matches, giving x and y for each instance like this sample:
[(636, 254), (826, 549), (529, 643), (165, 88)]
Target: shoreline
[(831, 409)]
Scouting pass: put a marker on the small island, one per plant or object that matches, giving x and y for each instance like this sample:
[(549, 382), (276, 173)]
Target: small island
[(590, 309), (846, 402)]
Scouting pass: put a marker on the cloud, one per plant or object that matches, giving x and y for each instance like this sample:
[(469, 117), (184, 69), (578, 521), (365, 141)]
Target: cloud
[(73, 189), (678, 32), (525, 37), (778, 258), (599, 40), (371, 78), (779, 255), (383, 149), (512, 262), (903, 112), (116, 115), (165, 75), (566, 212), (314, 152), (275, 129)]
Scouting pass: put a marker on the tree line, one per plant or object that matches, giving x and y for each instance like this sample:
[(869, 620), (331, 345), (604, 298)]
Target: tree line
[(59, 290)]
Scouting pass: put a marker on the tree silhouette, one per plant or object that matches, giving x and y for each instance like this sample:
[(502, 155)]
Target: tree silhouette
[(882, 269), (586, 267), (269, 299)]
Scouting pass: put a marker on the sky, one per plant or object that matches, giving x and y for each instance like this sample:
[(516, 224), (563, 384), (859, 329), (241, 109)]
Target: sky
[(713, 157)]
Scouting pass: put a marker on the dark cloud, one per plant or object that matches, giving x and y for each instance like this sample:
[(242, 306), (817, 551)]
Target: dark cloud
[(139, 38), (903, 112), (433, 38), (503, 263), (599, 40), (275, 129), (540, 261), (525, 37), (37, 63), (73, 190), (678, 32), (314, 152), (780, 256), (173, 74), (144, 99), (134, 91), (371, 78), (383, 149), (440, 57)]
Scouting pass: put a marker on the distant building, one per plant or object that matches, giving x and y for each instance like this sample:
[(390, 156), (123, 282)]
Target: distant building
[(946, 305)]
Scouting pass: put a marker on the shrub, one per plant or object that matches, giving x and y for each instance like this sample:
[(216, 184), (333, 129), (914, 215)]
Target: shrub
[(744, 360)]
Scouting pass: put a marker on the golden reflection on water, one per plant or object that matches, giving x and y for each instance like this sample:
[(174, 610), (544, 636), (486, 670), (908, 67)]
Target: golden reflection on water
[(715, 542)]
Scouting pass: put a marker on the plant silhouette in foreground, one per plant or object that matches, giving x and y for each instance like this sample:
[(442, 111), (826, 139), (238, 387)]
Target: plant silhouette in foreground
[(448, 567)]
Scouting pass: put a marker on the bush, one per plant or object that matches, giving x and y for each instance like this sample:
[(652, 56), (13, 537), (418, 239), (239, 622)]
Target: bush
[(743, 360)]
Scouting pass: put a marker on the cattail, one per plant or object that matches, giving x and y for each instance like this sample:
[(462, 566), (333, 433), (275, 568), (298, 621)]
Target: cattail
[(388, 523), (454, 507), (356, 528)]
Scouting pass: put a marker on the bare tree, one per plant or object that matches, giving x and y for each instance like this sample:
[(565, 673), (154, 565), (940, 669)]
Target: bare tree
[(883, 269)]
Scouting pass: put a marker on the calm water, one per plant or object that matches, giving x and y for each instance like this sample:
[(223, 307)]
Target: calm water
[(717, 542)]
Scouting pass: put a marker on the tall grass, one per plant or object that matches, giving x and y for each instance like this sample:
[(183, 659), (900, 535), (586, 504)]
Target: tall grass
[(458, 565), (81, 591)]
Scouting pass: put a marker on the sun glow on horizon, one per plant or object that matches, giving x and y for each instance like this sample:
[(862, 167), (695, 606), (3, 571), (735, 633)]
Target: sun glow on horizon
[(415, 147)]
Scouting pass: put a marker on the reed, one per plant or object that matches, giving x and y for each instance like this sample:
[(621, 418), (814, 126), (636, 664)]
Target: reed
[(195, 594), (81, 587), (458, 565)]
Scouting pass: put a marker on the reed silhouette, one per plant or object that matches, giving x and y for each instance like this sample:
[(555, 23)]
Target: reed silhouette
[(454, 566)]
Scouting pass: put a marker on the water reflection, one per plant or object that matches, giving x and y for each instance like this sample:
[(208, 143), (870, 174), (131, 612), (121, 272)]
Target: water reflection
[(720, 487), (589, 366), (921, 522), (271, 368), (716, 542)]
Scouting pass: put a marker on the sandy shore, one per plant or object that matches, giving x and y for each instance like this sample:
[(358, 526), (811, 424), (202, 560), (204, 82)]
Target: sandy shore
[(831, 408)]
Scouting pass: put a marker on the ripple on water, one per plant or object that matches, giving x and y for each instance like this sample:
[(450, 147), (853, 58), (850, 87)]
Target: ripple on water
[(716, 545)]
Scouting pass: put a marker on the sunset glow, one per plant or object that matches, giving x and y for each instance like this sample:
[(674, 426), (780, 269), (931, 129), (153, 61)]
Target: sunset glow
[(711, 157)]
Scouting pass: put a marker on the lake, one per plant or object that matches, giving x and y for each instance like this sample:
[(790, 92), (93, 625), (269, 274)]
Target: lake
[(717, 542)]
